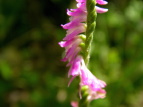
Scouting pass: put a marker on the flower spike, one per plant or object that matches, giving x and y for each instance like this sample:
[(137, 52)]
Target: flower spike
[(77, 43)]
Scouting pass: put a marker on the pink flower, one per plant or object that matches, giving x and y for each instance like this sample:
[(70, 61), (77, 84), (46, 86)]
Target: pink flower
[(95, 85), (100, 10), (73, 49), (74, 104), (87, 78), (101, 2), (96, 94)]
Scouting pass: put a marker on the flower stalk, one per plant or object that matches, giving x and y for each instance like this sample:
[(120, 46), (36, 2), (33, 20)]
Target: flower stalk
[(84, 101), (91, 23), (77, 44)]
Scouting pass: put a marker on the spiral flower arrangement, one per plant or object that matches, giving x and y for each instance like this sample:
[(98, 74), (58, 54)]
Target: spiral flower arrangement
[(77, 44)]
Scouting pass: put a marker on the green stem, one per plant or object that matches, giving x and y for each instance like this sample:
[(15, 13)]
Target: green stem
[(84, 102), (91, 23)]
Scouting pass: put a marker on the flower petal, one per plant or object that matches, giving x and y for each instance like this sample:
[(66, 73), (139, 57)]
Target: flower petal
[(100, 10), (101, 2)]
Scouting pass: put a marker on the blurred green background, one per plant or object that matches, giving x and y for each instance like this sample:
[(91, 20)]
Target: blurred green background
[(31, 73)]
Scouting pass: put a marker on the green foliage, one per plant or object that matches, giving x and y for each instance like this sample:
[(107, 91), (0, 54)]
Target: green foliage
[(31, 73)]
